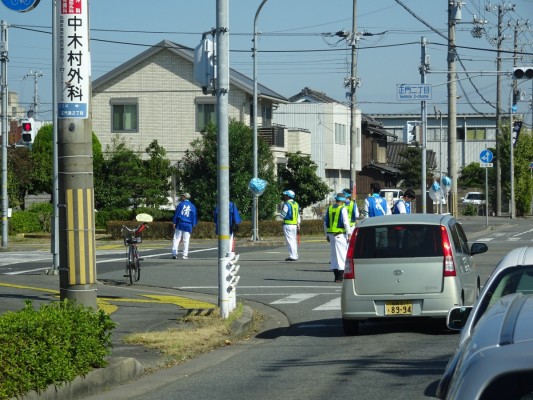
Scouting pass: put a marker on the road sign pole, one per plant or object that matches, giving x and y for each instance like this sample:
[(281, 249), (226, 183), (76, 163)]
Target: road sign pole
[(486, 197)]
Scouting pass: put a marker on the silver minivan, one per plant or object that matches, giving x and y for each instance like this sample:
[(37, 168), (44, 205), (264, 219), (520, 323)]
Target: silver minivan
[(408, 265)]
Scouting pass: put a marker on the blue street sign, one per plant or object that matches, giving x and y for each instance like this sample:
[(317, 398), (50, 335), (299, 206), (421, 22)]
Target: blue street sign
[(486, 156), (21, 5)]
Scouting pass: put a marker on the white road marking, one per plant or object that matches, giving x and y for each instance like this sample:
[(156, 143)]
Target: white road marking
[(484, 240), (334, 304), (294, 298)]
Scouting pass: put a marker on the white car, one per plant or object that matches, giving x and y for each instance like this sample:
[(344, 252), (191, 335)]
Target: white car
[(408, 266), (513, 274), (476, 198), (497, 359)]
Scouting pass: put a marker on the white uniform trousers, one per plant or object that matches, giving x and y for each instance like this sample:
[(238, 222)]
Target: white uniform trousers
[(178, 236), (338, 245), (291, 238)]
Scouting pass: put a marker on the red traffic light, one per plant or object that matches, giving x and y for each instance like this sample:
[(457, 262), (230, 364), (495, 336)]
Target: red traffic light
[(26, 126)]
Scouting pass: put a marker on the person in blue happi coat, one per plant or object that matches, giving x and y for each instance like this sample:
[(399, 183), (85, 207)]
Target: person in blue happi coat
[(184, 220)]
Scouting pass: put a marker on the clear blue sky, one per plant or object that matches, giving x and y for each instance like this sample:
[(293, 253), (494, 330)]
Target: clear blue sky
[(297, 48)]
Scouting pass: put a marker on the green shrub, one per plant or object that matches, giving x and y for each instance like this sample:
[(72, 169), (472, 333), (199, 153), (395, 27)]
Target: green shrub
[(470, 209), (50, 346), (206, 230), (24, 222)]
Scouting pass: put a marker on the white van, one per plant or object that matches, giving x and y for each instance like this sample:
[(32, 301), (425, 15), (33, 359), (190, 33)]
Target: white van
[(391, 195)]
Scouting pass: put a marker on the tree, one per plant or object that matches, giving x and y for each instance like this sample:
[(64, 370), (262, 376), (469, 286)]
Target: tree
[(197, 172), (19, 175), (42, 157), (411, 167), (300, 176), (159, 171), (472, 175)]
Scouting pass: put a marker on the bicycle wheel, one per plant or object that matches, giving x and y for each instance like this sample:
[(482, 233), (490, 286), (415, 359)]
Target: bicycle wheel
[(131, 265), (137, 275)]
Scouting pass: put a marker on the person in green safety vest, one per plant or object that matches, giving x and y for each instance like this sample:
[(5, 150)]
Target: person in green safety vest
[(290, 214), (337, 229), (353, 211)]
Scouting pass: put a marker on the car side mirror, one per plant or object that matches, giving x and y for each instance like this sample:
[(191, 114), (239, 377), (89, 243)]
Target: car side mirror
[(457, 317), (478, 248)]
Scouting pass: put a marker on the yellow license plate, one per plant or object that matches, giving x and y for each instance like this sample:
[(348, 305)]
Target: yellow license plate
[(398, 307)]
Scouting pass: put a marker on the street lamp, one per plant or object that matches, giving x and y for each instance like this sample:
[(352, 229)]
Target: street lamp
[(255, 219)]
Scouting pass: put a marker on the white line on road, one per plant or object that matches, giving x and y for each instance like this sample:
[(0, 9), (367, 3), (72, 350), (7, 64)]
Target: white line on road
[(294, 298), (334, 304)]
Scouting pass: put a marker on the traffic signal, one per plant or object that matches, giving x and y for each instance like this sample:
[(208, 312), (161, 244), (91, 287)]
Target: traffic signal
[(523, 72), (409, 132), (28, 130)]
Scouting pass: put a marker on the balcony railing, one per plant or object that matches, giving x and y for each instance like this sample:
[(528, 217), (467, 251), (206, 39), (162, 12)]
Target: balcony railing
[(273, 135)]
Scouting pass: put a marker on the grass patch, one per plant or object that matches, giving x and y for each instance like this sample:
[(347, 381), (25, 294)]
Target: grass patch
[(192, 336)]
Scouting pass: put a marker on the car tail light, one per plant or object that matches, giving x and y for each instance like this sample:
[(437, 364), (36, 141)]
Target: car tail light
[(349, 270), (449, 265)]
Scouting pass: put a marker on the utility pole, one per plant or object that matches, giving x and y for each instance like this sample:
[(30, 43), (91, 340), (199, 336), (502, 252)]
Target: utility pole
[(453, 7), (424, 67), (77, 270), (354, 136), (35, 75), (5, 131)]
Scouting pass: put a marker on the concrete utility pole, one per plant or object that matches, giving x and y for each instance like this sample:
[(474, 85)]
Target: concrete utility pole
[(255, 204), (354, 137), (424, 67), (5, 131), (35, 75), (77, 271), (452, 107), (499, 115)]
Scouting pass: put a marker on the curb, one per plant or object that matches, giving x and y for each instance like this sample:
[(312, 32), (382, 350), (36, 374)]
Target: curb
[(119, 370)]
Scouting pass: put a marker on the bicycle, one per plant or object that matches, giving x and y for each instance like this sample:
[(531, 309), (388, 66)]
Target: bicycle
[(132, 237)]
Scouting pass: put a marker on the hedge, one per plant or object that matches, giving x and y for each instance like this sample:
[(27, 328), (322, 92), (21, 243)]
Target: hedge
[(50, 346)]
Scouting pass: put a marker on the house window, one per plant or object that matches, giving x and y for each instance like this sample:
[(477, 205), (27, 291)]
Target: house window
[(266, 115), (125, 115), (205, 114), (340, 134), (476, 134)]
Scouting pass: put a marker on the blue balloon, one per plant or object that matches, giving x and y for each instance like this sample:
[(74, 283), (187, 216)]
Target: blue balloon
[(257, 186), (435, 186), (446, 181)]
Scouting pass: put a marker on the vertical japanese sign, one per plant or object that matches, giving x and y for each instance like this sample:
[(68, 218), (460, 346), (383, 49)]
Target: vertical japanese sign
[(74, 61)]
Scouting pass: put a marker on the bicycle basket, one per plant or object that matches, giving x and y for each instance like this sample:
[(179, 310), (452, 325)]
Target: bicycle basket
[(130, 238)]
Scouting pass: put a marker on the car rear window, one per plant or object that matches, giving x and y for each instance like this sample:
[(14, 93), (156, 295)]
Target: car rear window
[(398, 241), (475, 196)]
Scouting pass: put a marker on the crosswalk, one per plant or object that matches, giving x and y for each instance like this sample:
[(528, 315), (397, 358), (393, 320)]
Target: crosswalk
[(315, 301)]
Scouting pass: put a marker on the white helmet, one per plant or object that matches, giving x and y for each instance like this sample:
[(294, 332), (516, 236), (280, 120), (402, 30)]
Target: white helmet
[(289, 193)]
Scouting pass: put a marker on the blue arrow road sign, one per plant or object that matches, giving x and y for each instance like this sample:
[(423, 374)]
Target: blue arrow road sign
[(486, 156)]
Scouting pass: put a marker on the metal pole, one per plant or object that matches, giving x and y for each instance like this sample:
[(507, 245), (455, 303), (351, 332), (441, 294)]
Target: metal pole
[(486, 196), (423, 43), (222, 93), (255, 205), (55, 188), (5, 131), (512, 211), (354, 137)]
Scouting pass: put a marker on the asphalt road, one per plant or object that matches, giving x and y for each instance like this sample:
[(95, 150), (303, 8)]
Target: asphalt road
[(302, 353)]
